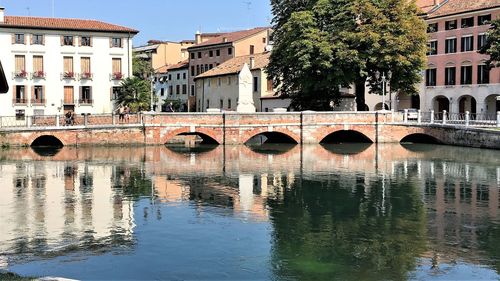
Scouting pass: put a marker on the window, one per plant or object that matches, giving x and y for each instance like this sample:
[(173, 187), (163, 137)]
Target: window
[(85, 41), (20, 114), (184, 89), (192, 91), (85, 67), (217, 53), (264, 39), (432, 27), (38, 95), (67, 40), (171, 90), (192, 70), (184, 75), (116, 66), (467, 22), (116, 42), (85, 95), (433, 45), (20, 61), (208, 103), (255, 84), (197, 69), (20, 95), (483, 74), (449, 76), (221, 103), (211, 53), (430, 77), (466, 75), (37, 39), (451, 24), (38, 67), (206, 67), (211, 66), (483, 20), (115, 92), (68, 67), (162, 92), (229, 51), (19, 39), (170, 77), (199, 55), (481, 41), (229, 104), (178, 76), (192, 56), (177, 89), (202, 68), (467, 44), (69, 97), (252, 49), (450, 45)]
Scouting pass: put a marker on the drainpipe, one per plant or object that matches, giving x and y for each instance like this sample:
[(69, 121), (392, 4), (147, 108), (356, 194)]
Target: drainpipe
[(129, 61)]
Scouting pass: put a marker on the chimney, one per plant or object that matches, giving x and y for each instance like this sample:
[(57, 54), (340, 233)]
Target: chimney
[(2, 14), (197, 37), (252, 63), (224, 39)]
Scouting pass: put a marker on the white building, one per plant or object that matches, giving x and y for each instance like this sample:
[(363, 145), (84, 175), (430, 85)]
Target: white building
[(171, 85), (56, 65)]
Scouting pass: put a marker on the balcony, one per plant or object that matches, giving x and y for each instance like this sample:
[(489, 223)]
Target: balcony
[(86, 76), (116, 76), (38, 102), (85, 101), (21, 74), (20, 101), (67, 75), (38, 75)]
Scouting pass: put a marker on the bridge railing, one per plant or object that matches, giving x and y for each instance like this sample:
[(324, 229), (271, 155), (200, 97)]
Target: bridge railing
[(458, 119)]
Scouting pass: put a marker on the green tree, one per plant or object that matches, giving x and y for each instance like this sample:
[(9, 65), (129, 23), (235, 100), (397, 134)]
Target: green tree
[(135, 94), (492, 45), (323, 45), (141, 68)]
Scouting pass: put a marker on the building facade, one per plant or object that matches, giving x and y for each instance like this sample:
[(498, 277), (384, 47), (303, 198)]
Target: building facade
[(56, 65), (171, 86), (163, 53), (214, 51)]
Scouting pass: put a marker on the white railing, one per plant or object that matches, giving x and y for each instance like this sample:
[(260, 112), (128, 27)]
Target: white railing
[(466, 119)]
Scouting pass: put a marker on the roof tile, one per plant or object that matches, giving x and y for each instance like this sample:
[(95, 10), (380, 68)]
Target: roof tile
[(235, 65), (231, 37)]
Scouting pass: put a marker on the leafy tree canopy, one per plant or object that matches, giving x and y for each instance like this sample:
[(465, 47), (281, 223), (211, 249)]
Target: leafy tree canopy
[(492, 45), (323, 45), (135, 94), (141, 68)]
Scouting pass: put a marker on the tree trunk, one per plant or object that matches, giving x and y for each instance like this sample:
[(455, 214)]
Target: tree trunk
[(360, 94)]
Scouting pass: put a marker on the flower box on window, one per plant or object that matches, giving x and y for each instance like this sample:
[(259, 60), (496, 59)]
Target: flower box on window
[(38, 74), (86, 76), (21, 74), (69, 75), (117, 76)]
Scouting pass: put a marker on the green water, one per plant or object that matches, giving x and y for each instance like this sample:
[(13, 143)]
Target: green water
[(278, 212)]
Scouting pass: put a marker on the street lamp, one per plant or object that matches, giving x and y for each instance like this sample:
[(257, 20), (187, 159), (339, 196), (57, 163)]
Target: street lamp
[(383, 81)]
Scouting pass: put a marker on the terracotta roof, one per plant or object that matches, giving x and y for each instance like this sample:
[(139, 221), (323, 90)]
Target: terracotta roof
[(426, 5), (451, 7), (63, 24), (166, 68), (235, 65), (231, 37)]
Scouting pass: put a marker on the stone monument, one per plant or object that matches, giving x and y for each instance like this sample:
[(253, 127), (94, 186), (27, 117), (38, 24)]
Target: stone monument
[(245, 93)]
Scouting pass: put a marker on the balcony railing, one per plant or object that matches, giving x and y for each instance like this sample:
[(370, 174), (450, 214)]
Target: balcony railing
[(116, 76), (85, 101), (38, 102), (20, 101), (22, 74), (86, 76), (38, 75)]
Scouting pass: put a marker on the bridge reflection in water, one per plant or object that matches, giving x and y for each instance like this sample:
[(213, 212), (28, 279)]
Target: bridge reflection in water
[(351, 211)]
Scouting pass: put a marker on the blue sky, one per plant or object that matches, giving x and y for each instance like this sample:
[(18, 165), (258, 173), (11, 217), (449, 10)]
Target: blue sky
[(155, 19)]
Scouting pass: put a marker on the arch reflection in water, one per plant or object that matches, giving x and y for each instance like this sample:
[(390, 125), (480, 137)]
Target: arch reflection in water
[(420, 138), (346, 136), (270, 138)]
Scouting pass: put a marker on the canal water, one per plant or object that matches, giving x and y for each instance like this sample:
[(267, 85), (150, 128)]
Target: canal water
[(274, 212)]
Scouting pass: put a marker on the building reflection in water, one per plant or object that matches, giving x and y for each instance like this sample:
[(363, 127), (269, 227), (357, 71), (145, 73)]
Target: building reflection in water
[(381, 206)]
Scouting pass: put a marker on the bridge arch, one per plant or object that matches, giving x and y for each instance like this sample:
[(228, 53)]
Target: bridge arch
[(47, 141), (420, 138), (345, 136), (274, 136), (207, 135)]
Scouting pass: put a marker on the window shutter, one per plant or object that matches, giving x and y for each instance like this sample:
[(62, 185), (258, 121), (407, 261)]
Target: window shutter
[(62, 40), (79, 40), (43, 39), (90, 94), (32, 93), (80, 94), (91, 41), (31, 39), (13, 38), (111, 93), (111, 42)]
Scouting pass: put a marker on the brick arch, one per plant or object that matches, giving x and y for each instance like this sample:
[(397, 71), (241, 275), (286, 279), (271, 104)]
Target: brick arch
[(322, 133), (203, 131), (250, 134), (60, 136), (435, 133)]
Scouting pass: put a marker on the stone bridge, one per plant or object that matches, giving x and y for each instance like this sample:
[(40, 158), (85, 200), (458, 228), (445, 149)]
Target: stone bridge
[(236, 128)]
